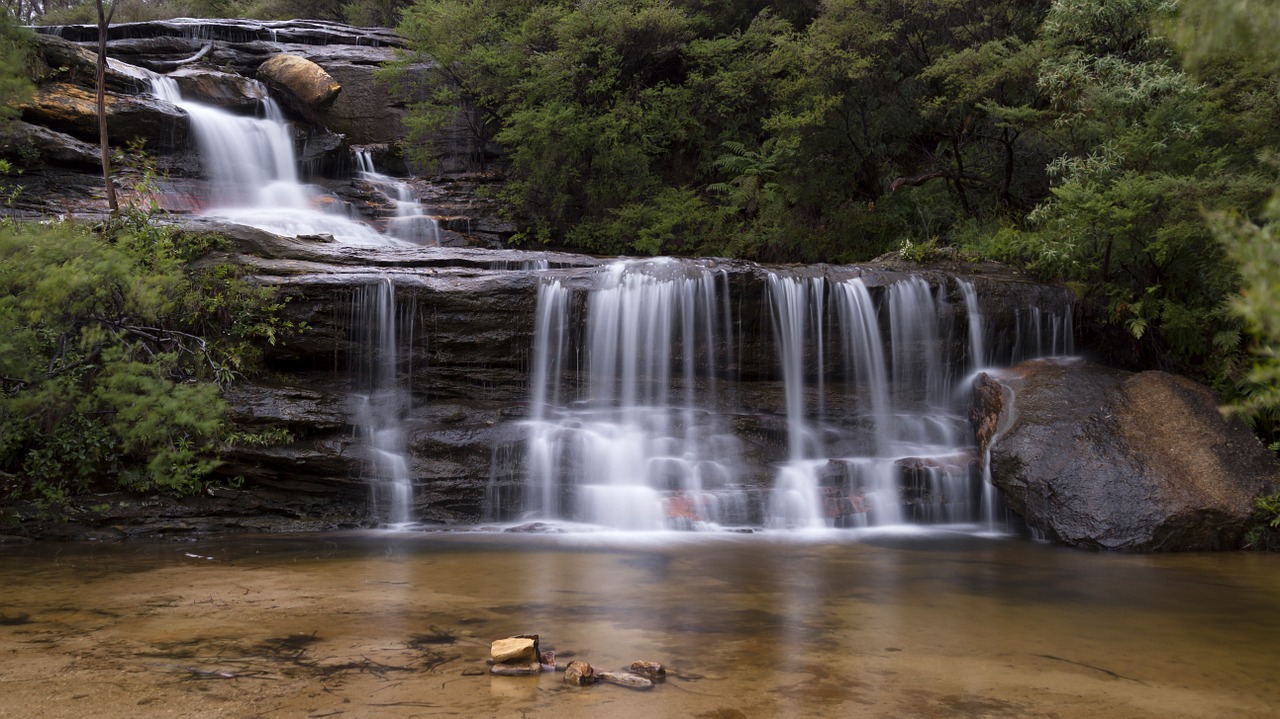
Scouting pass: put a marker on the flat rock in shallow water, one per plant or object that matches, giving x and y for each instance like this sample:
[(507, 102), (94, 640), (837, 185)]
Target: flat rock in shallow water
[(625, 679)]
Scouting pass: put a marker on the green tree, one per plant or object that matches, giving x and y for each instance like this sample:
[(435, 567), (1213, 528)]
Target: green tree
[(1144, 150), (112, 351), (15, 83), (900, 113)]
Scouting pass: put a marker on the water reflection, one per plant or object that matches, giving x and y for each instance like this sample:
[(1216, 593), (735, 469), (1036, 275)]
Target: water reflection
[(765, 625)]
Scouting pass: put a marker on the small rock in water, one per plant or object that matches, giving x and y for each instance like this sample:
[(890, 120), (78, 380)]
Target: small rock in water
[(652, 671), (625, 679), (580, 674), (548, 661), (515, 650)]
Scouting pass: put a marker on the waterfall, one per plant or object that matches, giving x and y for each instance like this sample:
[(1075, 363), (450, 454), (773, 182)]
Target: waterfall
[(630, 425), (252, 171), (630, 436), (410, 222), (381, 401), (796, 500)]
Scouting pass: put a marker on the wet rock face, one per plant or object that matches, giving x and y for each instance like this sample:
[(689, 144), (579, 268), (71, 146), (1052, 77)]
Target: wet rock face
[(229, 91), (73, 110), (1102, 458), (215, 62), (25, 144), (340, 55)]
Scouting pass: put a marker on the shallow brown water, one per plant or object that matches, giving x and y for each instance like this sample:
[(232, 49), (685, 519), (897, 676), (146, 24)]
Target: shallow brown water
[(398, 625)]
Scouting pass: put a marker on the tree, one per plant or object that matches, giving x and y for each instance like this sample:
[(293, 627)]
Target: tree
[(104, 22), (1143, 150), (15, 85), (112, 351), (1236, 38)]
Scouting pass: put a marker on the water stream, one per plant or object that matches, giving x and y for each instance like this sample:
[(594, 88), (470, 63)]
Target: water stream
[(381, 401), (410, 222)]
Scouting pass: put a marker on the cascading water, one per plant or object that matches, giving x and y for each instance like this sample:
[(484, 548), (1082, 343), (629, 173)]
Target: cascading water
[(631, 439), (796, 500), (381, 402), (253, 180), (252, 171), (627, 429), (410, 222)]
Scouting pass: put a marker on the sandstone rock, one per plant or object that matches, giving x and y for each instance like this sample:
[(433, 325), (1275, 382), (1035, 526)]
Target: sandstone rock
[(73, 110), (625, 679), (364, 111), (649, 670), (62, 61), (301, 80), (580, 674), (1101, 458), (23, 142), (515, 650)]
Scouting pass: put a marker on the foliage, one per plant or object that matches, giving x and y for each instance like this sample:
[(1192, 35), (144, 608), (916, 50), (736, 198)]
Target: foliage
[(112, 351), (1144, 150), (14, 83), (783, 120), (1235, 39)]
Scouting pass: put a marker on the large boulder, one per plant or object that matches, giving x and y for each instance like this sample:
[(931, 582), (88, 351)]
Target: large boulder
[(305, 85), (1101, 458)]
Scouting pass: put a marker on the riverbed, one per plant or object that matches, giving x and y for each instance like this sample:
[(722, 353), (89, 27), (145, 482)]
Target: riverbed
[(920, 623)]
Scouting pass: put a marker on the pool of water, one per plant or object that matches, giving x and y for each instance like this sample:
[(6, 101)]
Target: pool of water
[(932, 623)]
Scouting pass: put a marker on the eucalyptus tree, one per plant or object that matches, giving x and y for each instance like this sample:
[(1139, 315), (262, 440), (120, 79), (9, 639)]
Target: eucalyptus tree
[(104, 142)]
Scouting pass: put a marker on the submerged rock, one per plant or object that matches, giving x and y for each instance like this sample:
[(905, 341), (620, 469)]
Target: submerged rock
[(649, 670), (625, 679), (516, 669), (1101, 458)]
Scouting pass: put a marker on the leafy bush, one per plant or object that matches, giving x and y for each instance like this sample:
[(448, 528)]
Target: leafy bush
[(112, 352)]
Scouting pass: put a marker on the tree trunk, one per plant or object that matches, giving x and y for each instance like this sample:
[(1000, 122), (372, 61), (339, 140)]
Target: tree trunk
[(104, 21)]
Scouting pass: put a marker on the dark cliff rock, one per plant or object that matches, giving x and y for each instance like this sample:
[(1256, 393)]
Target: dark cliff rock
[(1102, 458)]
